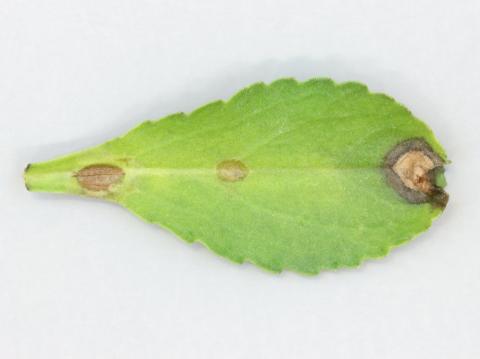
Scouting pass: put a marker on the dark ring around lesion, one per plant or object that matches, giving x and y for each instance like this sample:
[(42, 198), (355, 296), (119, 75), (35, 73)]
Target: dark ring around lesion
[(435, 195)]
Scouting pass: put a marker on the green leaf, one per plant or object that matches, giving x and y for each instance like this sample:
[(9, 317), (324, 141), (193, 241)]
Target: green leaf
[(300, 176)]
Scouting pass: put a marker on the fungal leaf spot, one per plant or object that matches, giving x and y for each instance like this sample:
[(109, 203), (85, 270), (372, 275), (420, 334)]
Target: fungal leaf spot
[(412, 169), (232, 171), (99, 177)]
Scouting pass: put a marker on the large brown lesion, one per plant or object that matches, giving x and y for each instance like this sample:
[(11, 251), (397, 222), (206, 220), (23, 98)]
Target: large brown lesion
[(99, 177), (411, 168)]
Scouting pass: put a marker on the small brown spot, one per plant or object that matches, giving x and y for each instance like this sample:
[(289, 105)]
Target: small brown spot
[(411, 168), (99, 177), (232, 170), (125, 160)]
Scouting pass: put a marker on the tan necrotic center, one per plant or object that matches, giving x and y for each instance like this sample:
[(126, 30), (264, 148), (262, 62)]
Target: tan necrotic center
[(413, 168)]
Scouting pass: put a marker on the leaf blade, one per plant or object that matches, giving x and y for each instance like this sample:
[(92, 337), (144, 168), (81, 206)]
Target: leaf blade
[(315, 196)]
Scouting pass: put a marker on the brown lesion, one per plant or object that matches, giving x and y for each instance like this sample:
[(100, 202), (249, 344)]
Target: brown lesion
[(232, 170), (99, 177), (411, 168)]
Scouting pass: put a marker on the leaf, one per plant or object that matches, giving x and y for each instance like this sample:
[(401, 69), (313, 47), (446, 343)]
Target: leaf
[(301, 176)]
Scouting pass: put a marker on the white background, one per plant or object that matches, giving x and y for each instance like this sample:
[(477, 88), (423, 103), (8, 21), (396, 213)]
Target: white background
[(82, 278)]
